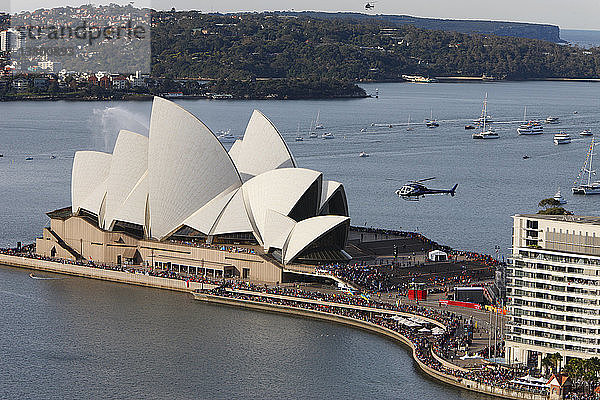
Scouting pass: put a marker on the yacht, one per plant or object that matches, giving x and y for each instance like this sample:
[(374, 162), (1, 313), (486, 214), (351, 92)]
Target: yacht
[(590, 187), (299, 137), (363, 154), (431, 123), (408, 127), (530, 128), (226, 137), (558, 197), (486, 132), (317, 124), (327, 135), (586, 132), (552, 120), (562, 138)]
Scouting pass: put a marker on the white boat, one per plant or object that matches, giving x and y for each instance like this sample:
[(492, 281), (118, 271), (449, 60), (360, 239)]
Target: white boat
[(486, 131), (552, 120), (590, 187), (226, 137), (562, 138), (317, 124), (327, 135), (530, 128), (363, 154), (586, 132), (299, 138), (558, 197), (408, 127), (431, 123)]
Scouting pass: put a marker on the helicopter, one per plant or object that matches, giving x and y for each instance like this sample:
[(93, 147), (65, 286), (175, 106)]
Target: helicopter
[(412, 190), (370, 5)]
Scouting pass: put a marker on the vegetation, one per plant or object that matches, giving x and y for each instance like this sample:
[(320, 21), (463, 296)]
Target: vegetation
[(249, 46), (552, 206), (583, 373), (550, 362)]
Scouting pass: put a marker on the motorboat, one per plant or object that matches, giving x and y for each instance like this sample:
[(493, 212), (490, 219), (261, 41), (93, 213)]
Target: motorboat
[(226, 137), (469, 127), (590, 187), (552, 120), (363, 154), (299, 139), (586, 132), (530, 128), (486, 132), (327, 135), (562, 138), (558, 197)]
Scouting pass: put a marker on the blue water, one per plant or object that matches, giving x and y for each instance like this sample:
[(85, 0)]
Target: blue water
[(494, 180), (582, 38)]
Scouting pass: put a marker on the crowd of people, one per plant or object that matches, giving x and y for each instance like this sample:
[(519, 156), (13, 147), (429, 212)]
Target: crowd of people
[(221, 247), (423, 343)]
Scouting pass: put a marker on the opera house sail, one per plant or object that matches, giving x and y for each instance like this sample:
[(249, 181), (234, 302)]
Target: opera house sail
[(178, 200)]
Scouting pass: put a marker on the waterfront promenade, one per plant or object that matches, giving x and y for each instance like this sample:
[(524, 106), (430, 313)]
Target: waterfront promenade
[(354, 311)]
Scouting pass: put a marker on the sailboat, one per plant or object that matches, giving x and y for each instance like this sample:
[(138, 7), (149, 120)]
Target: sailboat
[(590, 187), (488, 133), (408, 127), (298, 137), (431, 123), (317, 124), (311, 134)]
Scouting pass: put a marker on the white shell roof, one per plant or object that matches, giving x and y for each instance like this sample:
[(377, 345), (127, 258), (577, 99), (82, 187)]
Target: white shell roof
[(187, 166), (277, 230), (89, 169), (234, 218), (278, 190), (329, 188), (307, 231), (262, 149), (204, 219), (129, 163), (133, 208)]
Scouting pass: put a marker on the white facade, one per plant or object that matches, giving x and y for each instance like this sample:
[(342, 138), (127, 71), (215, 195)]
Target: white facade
[(181, 178), (553, 288)]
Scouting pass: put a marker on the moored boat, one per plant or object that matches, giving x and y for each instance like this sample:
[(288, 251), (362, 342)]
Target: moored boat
[(589, 187)]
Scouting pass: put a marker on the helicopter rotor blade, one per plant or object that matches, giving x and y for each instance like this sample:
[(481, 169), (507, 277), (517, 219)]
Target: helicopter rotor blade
[(426, 179)]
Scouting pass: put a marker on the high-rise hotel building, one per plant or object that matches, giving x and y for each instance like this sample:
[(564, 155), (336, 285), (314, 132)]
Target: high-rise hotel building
[(553, 288)]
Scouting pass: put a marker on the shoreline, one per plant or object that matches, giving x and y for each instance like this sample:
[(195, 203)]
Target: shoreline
[(189, 286), (460, 383)]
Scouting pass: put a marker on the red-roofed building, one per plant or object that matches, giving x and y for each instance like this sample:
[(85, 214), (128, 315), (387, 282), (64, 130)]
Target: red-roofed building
[(559, 386)]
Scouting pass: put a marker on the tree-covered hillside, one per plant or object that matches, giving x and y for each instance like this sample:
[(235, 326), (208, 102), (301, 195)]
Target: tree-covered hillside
[(246, 46)]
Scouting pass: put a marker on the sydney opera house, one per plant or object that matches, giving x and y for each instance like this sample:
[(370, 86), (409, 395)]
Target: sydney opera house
[(177, 200)]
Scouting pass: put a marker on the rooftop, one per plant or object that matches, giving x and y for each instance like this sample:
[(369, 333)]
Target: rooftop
[(579, 219)]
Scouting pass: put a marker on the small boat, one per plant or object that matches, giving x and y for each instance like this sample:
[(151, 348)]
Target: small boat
[(552, 120), (298, 137), (363, 154), (226, 137), (408, 127), (327, 135), (488, 133), (431, 123), (363, 130), (317, 124), (562, 138), (586, 132), (52, 157), (469, 127), (558, 197), (29, 158), (526, 157), (590, 187)]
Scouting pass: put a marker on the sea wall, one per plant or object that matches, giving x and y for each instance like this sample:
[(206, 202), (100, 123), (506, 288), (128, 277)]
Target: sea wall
[(102, 274), (388, 333)]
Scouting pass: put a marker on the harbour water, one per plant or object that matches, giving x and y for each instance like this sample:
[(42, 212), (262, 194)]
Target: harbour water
[(74, 338)]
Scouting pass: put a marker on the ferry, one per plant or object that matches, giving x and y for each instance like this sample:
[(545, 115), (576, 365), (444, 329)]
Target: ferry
[(586, 132), (591, 187), (418, 79), (530, 128), (562, 138)]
